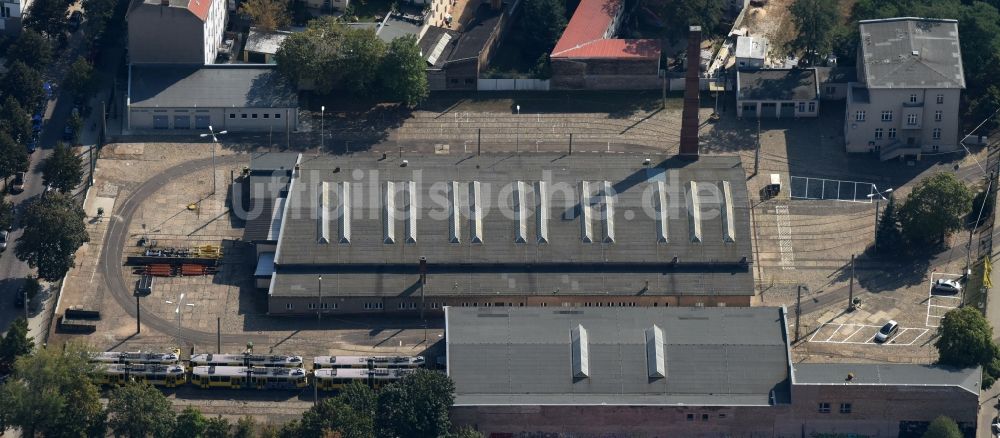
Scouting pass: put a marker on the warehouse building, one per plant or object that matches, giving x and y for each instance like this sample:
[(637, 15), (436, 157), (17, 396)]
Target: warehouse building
[(226, 97), (364, 235), (684, 372)]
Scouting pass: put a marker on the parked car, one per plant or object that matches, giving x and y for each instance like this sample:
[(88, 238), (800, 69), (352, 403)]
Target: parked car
[(36, 123), (18, 185), (32, 144), (75, 19), (3, 239), (68, 133), (887, 331), (995, 426), (947, 286), (19, 299)]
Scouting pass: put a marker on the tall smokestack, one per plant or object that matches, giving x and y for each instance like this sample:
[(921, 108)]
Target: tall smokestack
[(689, 118)]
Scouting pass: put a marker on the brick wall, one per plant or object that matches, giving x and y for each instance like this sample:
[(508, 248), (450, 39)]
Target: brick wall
[(605, 74)]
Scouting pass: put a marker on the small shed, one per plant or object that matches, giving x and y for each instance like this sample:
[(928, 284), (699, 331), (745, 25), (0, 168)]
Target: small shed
[(777, 93), (751, 52), (262, 45)]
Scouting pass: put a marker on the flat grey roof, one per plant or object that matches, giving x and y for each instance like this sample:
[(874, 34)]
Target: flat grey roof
[(273, 161), (911, 53), (523, 356), (229, 86), (886, 374), (265, 42), (860, 94), (751, 47), (496, 248), (395, 26), (836, 75), (777, 84)]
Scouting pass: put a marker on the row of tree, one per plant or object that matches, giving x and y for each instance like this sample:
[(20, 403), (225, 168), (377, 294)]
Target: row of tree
[(937, 206), (329, 55), (48, 393)]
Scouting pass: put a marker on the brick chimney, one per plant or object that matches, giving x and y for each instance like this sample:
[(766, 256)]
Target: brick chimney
[(689, 117)]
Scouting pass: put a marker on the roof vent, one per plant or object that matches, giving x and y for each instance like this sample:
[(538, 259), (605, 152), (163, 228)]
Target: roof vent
[(411, 215), (454, 216), (389, 213), (581, 359), (916, 53), (324, 213), (608, 212), (655, 356), (542, 210), (475, 213), (728, 221), (694, 213), (586, 213), (520, 213), (345, 212)]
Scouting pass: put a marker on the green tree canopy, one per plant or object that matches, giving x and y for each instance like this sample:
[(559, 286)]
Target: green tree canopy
[(416, 406), (358, 60), (943, 427), (24, 84), (309, 58), (544, 22), (678, 15), (402, 74), (138, 410), (79, 79), (15, 343), (217, 427), (48, 17), (53, 232), (935, 208), (335, 415), (816, 21), (190, 423), (13, 156), (6, 214), (965, 339), (245, 427), (63, 170), (14, 120), (32, 49), (889, 239), (98, 14), (266, 15), (50, 394)]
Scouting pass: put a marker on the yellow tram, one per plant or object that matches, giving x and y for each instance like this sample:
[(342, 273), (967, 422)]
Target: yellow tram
[(170, 376), (236, 377), (253, 360), (330, 379), (369, 362)]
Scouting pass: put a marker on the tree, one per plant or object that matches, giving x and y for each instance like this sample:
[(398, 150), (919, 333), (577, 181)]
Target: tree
[(267, 15), (245, 427), (24, 84), (15, 343), (98, 14), (190, 423), (815, 21), (402, 74), (48, 17), (358, 60), (63, 170), (308, 58), (6, 214), (13, 157), (416, 406), (466, 432), (544, 22), (138, 410), (32, 49), (49, 394), (889, 239), (80, 79), (334, 415), (217, 427), (935, 208), (965, 339), (943, 427), (678, 15), (14, 120), (53, 232)]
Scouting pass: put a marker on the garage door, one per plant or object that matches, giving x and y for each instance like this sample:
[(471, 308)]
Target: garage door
[(788, 109), (161, 122), (182, 122), (202, 122), (768, 109)]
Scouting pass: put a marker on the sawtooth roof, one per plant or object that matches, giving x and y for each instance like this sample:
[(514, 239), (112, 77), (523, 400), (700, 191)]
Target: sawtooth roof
[(911, 53)]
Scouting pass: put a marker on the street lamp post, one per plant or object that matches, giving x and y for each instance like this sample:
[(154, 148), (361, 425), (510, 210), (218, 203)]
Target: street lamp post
[(215, 141), (177, 311), (322, 141), (319, 305), (881, 197), (517, 132)]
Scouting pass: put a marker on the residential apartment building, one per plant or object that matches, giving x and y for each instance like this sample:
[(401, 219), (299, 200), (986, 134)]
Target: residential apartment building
[(175, 31), (11, 12), (910, 81)]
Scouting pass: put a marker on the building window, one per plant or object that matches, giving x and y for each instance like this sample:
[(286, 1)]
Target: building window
[(277, 115), (232, 115), (831, 90), (859, 116), (402, 305), (243, 116), (892, 133), (470, 81), (373, 306), (845, 408), (812, 107), (878, 133), (935, 148), (704, 417), (940, 98), (911, 119), (267, 116), (690, 417), (311, 306), (289, 306), (721, 304), (824, 408), (936, 134), (938, 116), (913, 98), (413, 305), (802, 107), (435, 305), (253, 116), (699, 304), (886, 116), (722, 415)]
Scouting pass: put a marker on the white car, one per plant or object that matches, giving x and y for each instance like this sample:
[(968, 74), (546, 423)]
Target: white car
[(890, 328), (947, 286)]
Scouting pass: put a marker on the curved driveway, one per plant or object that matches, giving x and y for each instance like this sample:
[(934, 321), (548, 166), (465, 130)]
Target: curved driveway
[(114, 246)]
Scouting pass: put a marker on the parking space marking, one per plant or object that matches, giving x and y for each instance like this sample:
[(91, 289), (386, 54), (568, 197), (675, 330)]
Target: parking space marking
[(905, 336), (784, 238), (946, 302)]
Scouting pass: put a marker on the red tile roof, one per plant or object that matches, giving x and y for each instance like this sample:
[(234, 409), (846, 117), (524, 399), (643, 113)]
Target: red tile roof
[(584, 37), (200, 8)]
